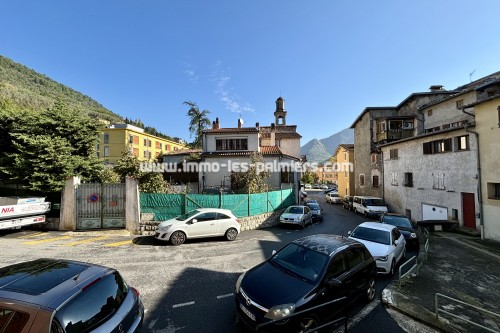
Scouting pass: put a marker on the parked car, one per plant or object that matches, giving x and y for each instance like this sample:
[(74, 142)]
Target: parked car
[(306, 201), (303, 195), (369, 206), (386, 244), (347, 202), (198, 223), (330, 190), (57, 296), (324, 187), (300, 215), (333, 198), (307, 272), (405, 226), (316, 210), (316, 186), (308, 186)]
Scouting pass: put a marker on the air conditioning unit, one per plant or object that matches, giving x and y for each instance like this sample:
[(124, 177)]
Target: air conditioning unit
[(407, 125)]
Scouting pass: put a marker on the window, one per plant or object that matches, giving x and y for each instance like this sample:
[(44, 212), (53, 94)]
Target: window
[(429, 113), (381, 126), (231, 144), (130, 139), (393, 154), (337, 266), (167, 148), (106, 138), (437, 146), (460, 103), (493, 191), (454, 214), (12, 321), (206, 217), (145, 142), (438, 181), (408, 214), (106, 151), (149, 143), (100, 301), (395, 124), (462, 142), (136, 152), (375, 181), (353, 258), (345, 156), (158, 145), (373, 158), (408, 179), (394, 179), (362, 179)]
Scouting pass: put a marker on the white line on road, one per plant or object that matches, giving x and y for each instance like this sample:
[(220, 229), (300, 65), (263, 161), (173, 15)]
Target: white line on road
[(362, 314), (182, 304), (224, 296)]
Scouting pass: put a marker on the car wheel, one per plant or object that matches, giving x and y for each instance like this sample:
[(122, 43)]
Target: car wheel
[(393, 267), (370, 290), (177, 238), (231, 234), (307, 324)]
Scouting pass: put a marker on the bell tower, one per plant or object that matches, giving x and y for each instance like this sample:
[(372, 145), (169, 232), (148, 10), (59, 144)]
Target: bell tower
[(280, 113)]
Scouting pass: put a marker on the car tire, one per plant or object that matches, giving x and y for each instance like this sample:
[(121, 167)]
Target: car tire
[(231, 234), (308, 323), (393, 267), (370, 290), (177, 238)]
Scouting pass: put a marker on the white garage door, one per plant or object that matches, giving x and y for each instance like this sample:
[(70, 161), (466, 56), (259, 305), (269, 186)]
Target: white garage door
[(431, 212)]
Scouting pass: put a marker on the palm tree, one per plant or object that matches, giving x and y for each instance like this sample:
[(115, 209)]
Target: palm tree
[(199, 121)]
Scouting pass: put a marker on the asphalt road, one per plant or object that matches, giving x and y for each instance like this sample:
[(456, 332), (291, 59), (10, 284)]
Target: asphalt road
[(189, 288)]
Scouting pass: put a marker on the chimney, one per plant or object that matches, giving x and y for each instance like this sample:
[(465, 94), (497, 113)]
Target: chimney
[(216, 124), (273, 135), (257, 125), (436, 87), (240, 122), (213, 124)]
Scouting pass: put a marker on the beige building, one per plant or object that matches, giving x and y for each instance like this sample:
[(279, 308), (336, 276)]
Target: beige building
[(345, 158), (487, 116)]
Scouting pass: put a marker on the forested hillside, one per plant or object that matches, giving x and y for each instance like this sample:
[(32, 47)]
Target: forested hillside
[(27, 89)]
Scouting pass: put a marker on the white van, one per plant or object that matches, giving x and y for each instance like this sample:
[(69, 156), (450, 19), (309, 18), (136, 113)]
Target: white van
[(369, 206)]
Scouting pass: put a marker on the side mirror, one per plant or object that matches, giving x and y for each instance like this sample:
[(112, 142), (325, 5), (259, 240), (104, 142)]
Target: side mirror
[(192, 221), (396, 242), (349, 233), (273, 253), (333, 282)]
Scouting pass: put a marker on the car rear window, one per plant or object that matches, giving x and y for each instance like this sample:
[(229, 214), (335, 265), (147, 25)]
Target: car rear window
[(12, 321), (94, 305), (373, 235)]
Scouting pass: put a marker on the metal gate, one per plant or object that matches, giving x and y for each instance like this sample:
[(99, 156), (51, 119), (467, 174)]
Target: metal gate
[(100, 206)]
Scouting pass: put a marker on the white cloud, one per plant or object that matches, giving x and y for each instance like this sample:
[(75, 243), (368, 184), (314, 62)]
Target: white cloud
[(223, 91), (190, 70)]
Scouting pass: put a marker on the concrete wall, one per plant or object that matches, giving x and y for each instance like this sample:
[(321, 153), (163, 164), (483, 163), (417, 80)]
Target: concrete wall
[(68, 204), (459, 169), (290, 147), (446, 112), (488, 127)]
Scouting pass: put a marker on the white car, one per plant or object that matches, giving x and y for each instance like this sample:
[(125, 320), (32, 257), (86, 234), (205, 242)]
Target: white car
[(300, 215), (385, 243), (201, 222), (333, 197)]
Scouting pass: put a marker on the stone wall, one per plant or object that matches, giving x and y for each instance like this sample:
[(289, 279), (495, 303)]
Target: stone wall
[(148, 226)]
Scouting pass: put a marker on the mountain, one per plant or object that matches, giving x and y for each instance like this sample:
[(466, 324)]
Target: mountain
[(321, 150), (27, 89)]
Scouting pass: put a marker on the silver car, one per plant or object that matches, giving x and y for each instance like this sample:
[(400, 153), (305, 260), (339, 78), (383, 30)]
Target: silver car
[(300, 215)]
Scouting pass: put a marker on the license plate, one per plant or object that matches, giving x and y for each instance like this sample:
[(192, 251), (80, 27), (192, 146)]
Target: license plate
[(247, 312)]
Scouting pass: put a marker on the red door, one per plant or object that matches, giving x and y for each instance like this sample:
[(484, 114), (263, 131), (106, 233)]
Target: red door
[(469, 210)]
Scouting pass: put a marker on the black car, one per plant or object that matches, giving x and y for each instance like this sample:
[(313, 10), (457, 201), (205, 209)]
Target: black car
[(316, 210), (404, 224), (347, 202), (307, 272), (64, 296)]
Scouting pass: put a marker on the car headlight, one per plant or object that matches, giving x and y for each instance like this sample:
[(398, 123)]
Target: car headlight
[(280, 311), (238, 282), (384, 258), (164, 228), (413, 235)]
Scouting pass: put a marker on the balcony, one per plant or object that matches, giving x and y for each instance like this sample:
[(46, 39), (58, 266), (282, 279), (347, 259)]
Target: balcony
[(394, 134)]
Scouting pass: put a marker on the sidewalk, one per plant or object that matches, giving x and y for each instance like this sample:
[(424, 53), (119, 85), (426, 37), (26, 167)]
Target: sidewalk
[(458, 266)]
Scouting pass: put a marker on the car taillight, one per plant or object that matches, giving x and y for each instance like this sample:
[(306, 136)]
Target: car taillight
[(136, 292), (238, 221)]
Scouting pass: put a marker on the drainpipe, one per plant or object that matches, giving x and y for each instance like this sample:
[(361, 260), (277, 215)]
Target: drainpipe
[(479, 185)]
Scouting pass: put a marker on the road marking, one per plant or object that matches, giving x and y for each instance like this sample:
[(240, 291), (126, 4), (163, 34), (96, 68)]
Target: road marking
[(46, 240), (182, 304), (360, 316), (224, 296), (471, 246), (85, 241), (119, 243), (32, 235)]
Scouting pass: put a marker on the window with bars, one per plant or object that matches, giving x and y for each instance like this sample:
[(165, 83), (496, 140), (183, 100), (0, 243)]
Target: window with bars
[(231, 144), (375, 181), (362, 179), (394, 179), (393, 154), (438, 181)]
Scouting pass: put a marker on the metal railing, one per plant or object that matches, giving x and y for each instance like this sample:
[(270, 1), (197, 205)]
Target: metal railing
[(436, 300), (344, 318), (413, 269)]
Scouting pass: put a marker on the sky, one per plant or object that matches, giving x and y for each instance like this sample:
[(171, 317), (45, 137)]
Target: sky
[(328, 59)]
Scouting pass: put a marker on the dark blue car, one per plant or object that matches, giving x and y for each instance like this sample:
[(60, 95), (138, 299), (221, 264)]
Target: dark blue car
[(403, 223)]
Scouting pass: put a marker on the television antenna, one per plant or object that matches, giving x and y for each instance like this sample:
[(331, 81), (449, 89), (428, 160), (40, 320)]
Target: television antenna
[(470, 75)]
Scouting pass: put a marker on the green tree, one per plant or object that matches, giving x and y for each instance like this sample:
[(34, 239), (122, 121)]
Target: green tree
[(198, 122), (254, 179), (41, 150), (309, 177)]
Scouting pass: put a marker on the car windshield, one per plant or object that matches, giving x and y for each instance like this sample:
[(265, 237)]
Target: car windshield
[(313, 206), (187, 215), (375, 202), (372, 235), (300, 261), (294, 210), (398, 221)]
